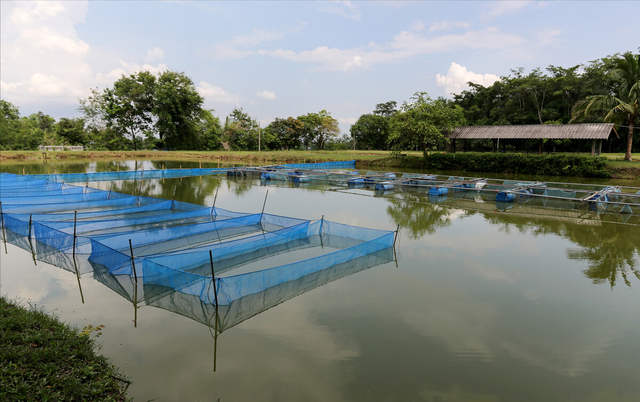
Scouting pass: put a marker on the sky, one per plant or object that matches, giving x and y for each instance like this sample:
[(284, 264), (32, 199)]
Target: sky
[(281, 59)]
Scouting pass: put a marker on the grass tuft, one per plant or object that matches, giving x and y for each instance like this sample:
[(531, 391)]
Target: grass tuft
[(42, 359)]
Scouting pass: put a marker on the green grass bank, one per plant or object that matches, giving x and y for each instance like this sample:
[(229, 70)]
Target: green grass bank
[(42, 359), (606, 166)]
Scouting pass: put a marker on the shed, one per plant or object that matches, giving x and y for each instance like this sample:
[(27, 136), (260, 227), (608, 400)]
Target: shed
[(586, 131)]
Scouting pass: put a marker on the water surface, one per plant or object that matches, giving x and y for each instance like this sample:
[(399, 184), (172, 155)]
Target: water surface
[(481, 305)]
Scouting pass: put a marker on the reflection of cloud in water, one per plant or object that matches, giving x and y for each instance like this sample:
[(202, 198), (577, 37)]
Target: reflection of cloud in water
[(301, 331)]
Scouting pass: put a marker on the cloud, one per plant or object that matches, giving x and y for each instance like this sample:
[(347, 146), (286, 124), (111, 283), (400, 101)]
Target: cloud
[(456, 79), (404, 45), (448, 25), (500, 8), (242, 45), (42, 55), (345, 9), (548, 36), (215, 94), (268, 95), (417, 26), (154, 54), (347, 120)]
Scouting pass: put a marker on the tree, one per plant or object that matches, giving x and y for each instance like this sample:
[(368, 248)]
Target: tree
[(177, 108), (386, 109), (128, 105), (619, 100), (423, 122), (371, 131), (9, 124), (286, 132), (210, 131), (318, 127), (240, 131), (71, 131)]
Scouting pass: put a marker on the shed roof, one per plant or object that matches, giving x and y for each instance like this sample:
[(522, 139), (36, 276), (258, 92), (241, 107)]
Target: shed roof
[(590, 131)]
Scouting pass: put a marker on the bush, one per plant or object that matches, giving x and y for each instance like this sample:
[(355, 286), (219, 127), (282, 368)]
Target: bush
[(552, 165)]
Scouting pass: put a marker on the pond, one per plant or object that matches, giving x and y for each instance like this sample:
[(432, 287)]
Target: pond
[(478, 304)]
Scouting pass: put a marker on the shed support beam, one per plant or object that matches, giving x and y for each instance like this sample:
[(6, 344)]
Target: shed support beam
[(593, 148)]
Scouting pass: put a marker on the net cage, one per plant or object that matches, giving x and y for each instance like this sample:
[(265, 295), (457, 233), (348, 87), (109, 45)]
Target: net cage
[(172, 243)]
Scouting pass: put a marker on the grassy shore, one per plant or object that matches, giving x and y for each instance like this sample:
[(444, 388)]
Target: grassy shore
[(365, 159), (42, 359)]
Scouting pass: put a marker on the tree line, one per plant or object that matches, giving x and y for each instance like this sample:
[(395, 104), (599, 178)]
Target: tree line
[(165, 111)]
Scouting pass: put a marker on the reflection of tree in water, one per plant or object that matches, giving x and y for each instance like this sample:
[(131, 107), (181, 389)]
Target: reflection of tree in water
[(193, 190), (611, 252), (610, 249), (239, 184), (414, 214)]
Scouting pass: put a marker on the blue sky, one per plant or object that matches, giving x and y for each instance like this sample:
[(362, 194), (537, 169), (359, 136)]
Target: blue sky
[(280, 59)]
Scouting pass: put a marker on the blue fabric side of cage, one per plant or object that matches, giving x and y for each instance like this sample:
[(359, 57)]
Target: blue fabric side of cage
[(187, 260), (64, 199), (235, 287)]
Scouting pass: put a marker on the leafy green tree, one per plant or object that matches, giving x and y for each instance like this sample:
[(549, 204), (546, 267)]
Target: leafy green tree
[(423, 122), (210, 131), (318, 128), (386, 109), (619, 100), (286, 132), (71, 131), (9, 124), (371, 131), (128, 105), (240, 131), (177, 109)]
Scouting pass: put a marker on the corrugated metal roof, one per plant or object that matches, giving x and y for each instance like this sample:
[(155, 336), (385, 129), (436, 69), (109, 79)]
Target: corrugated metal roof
[(587, 131)]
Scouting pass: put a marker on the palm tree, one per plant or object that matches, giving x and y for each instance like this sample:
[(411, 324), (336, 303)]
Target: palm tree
[(620, 100)]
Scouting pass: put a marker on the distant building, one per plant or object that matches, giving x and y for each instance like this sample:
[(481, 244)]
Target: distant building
[(587, 131)]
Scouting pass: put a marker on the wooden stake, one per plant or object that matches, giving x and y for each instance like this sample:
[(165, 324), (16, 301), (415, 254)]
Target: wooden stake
[(75, 216), (30, 226), (265, 201), (133, 263), (396, 236), (213, 279)]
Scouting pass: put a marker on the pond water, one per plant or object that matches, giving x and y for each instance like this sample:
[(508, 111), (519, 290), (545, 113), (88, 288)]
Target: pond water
[(480, 305)]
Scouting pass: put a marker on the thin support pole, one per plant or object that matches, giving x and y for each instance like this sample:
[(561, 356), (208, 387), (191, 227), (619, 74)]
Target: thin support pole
[(30, 221), (213, 279), (75, 264), (214, 199), (321, 225), (75, 217), (1, 216), (396, 236), (173, 197), (133, 263), (265, 201), (110, 188)]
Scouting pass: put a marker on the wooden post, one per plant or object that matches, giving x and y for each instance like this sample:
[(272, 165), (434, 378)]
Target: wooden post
[(396, 236), (600, 148), (593, 148), (540, 148), (200, 164), (75, 216), (133, 263), (498, 145), (213, 279), (265, 201)]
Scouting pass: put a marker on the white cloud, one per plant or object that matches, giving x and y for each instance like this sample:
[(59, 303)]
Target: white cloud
[(456, 79), (417, 26), (268, 95), (42, 55), (345, 9), (215, 94), (347, 120), (404, 45), (154, 54), (241, 46), (500, 8), (448, 25), (548, 36)]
